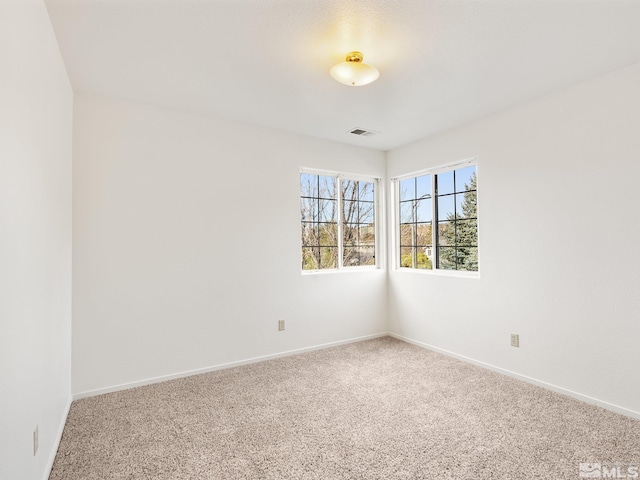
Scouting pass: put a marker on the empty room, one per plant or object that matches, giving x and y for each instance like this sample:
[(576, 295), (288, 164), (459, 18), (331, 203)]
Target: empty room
[(319, 239)]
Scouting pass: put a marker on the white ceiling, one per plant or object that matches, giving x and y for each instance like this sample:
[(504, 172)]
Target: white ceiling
[(266, 62)]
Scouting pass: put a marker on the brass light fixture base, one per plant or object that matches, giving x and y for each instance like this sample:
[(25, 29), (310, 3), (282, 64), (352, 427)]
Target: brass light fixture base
[(354, 57)]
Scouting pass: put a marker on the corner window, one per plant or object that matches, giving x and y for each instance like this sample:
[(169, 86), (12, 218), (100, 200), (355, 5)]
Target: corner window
[(438, 220), (338, 221)]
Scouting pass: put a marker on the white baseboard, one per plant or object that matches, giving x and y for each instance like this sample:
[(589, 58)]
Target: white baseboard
[(58, 439), (524, 378), (164, 378)]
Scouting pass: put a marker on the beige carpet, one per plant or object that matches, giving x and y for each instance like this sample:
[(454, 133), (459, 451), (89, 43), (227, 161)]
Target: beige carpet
[(380, 409)]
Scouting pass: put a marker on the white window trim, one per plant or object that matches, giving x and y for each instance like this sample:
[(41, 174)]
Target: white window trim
[(379, 220), (395, 240)]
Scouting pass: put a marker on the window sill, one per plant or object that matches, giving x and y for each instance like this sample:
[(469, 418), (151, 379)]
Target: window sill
[(340, 271), (440, 273)]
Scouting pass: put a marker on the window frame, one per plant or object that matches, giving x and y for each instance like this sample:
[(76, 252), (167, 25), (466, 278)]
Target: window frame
[(395, 217), (378, 220)]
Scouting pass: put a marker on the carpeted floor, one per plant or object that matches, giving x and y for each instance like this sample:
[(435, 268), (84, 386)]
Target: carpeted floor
[(379, 409)]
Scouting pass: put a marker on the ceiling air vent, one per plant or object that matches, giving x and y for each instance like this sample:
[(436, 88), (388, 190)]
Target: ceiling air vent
[(361, 132)]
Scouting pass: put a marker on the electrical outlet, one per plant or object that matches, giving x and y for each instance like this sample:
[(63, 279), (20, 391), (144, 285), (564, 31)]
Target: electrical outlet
[(515, 340), (280, 325), (35, 441)]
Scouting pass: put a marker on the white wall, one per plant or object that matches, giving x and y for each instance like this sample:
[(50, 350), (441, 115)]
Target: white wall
[(187, 245), (559, 196), (35, 240)]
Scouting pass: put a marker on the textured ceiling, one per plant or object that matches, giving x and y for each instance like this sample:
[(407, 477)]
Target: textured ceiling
[(266, 62)]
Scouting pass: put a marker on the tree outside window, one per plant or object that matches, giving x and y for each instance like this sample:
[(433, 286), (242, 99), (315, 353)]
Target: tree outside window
[(338, 222)]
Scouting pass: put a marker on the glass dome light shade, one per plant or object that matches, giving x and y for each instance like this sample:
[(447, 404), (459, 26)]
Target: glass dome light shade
[(353, 72)]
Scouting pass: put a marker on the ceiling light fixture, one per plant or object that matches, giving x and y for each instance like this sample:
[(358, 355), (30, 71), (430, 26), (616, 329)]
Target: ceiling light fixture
[(353, 72)]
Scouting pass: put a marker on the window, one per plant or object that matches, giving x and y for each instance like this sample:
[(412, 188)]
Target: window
[(438, 220), (338, 221)]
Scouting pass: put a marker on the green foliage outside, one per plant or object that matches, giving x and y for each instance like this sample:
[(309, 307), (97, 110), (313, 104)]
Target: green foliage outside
[(422, 261)]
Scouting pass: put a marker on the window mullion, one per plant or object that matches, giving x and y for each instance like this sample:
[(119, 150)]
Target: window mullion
[(455, 220), (398, 221), (376, 223), (435, 226), (340, 224), (414, 226)]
